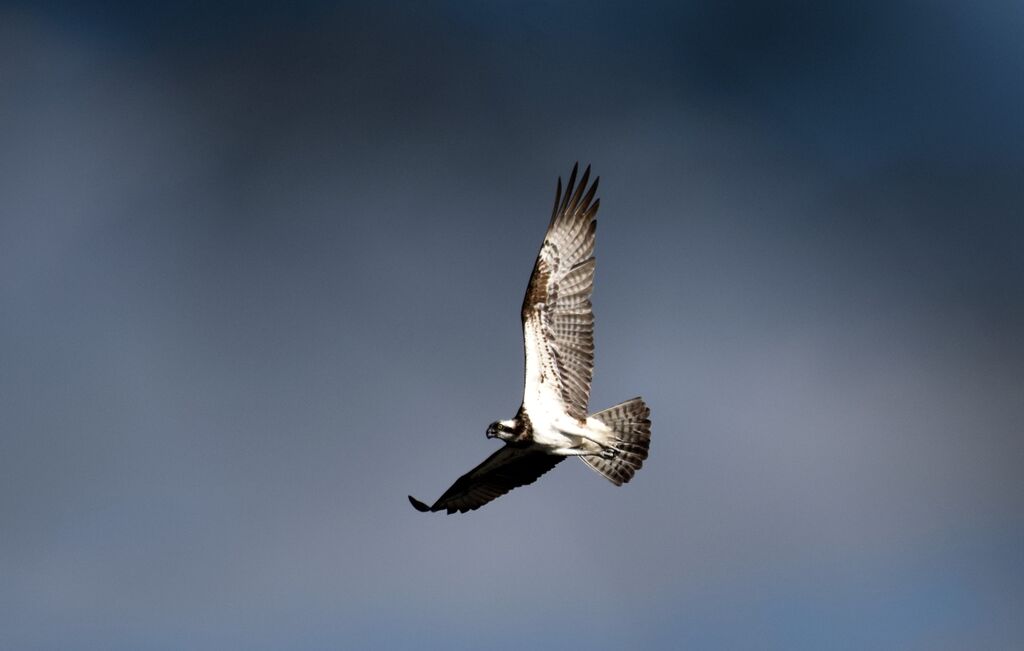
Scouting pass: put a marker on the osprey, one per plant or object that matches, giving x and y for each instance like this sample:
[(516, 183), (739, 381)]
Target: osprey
[(558, 333)]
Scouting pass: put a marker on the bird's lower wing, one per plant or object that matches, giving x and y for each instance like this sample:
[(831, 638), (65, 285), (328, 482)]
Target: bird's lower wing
[(508, 468)]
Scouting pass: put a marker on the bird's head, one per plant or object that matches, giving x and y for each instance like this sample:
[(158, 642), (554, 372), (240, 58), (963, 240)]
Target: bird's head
[(502, 429)]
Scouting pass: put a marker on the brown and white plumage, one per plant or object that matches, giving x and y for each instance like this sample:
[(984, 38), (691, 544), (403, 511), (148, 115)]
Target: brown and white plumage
[(556, 310), (558, 336)]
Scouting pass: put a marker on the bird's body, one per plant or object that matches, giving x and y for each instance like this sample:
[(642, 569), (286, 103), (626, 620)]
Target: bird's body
[(558, 325)]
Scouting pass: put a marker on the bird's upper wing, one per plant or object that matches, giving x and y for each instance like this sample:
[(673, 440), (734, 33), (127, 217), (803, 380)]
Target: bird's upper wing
[(558, 324), (508, 468)]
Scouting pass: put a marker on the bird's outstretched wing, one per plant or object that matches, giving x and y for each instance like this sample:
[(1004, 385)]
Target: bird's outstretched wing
[(508, 468), (558, 324)]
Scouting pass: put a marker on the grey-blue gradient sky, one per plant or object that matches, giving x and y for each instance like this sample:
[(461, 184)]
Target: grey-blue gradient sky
[(260, 271)]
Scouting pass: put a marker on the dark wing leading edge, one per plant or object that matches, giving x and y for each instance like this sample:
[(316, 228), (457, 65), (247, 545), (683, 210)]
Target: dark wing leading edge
[(508, 468), (557, 302)]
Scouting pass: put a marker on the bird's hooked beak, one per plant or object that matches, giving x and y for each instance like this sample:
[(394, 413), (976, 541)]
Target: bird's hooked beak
[(492, 431)]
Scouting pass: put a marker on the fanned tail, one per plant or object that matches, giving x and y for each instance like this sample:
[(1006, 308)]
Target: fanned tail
[(631, 435)]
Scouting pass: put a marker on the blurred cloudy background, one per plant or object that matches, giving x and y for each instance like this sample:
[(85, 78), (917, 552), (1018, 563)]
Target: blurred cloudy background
[(260, 272)]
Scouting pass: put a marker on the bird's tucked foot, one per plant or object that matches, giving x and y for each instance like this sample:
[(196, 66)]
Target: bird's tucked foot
[(609, 452)]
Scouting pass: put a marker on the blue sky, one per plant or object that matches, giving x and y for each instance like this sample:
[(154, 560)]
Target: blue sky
[(260, 272)]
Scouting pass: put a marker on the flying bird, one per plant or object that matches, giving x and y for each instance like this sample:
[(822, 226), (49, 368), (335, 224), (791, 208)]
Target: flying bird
[(558, 334)]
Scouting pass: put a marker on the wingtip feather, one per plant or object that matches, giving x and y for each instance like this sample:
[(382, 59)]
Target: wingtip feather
[(574, 203), (418, 505), (558, 200), (569, 187)]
